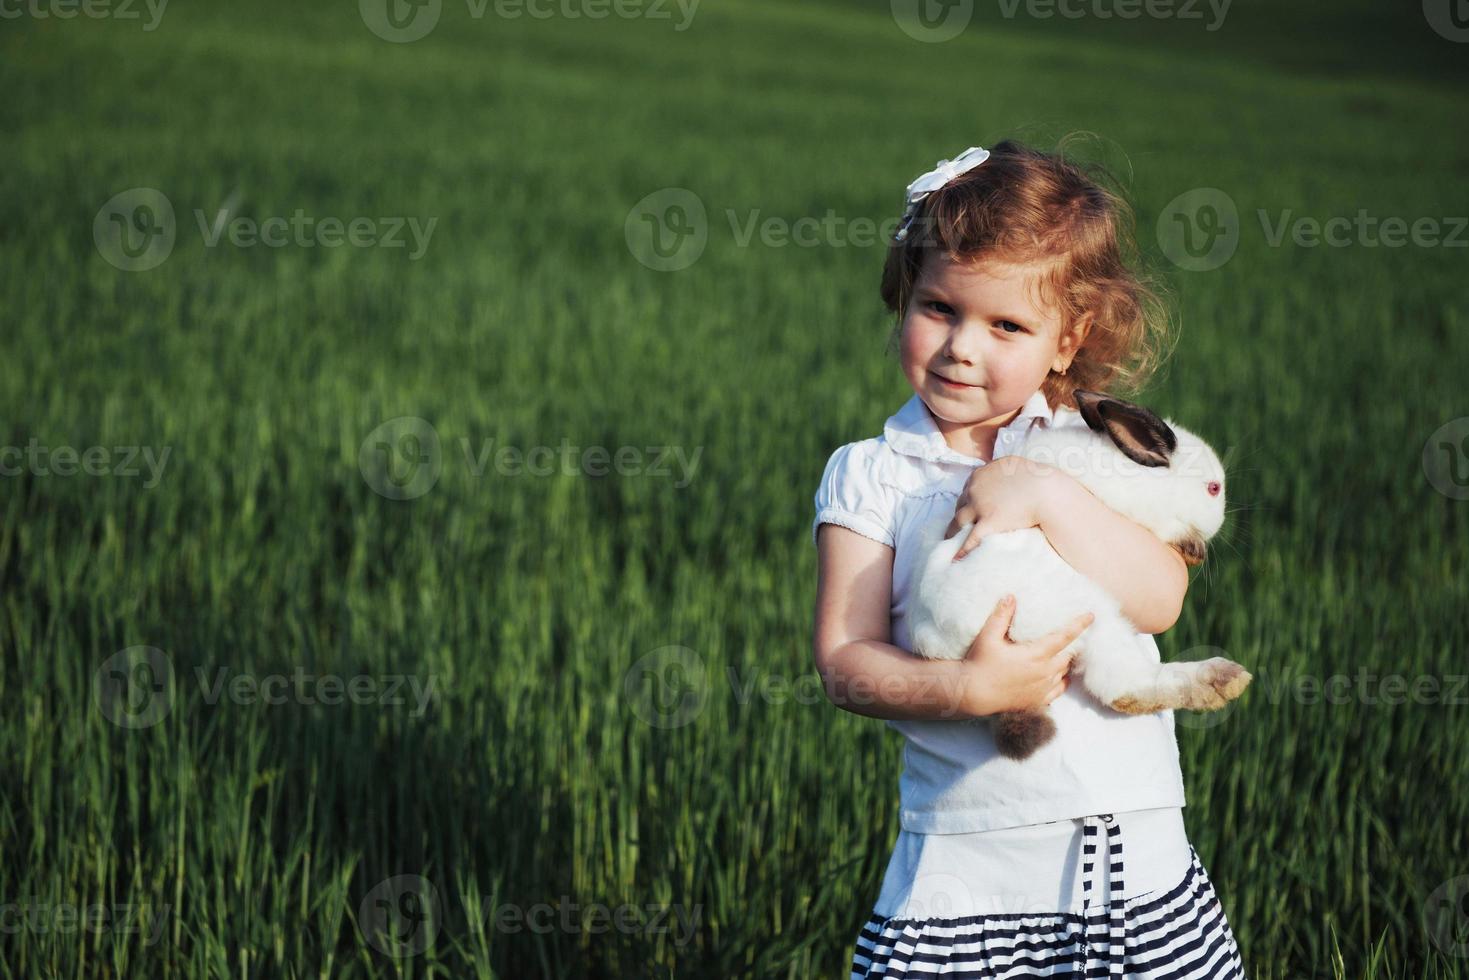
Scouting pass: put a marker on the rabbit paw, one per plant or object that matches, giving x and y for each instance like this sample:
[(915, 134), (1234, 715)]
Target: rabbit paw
[(1204, 686), (1227, 679)]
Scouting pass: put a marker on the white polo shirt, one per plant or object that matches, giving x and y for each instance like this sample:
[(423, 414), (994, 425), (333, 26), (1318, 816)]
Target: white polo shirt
[(891, 489)]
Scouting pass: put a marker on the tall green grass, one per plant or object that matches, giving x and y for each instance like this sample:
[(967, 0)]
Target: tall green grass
[(747, 832)]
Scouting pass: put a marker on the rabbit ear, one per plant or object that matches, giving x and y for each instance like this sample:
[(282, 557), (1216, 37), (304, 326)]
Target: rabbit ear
[(1141, 435)]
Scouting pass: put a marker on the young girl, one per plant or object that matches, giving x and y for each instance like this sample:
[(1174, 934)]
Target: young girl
[(1012, 288)]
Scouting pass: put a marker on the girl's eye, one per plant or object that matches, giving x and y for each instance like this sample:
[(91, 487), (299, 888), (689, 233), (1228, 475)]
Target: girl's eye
[(940, 307), (1010, 327)]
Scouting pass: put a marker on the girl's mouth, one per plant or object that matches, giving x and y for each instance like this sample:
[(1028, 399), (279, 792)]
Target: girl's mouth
[(952, 385)]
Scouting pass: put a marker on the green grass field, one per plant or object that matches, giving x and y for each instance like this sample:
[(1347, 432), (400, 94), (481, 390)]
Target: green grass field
[(500, 766)]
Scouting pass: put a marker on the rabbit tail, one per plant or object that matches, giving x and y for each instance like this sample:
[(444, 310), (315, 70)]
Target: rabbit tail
[(1019, 733)]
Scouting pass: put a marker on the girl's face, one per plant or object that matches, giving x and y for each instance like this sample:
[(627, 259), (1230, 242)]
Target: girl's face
[(977, 342)]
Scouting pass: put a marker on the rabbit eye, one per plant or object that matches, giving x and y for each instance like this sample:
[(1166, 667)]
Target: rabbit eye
[(1214, 488)]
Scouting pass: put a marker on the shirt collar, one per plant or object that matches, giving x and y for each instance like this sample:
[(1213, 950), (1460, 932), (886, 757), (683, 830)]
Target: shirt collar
[(912, 431)]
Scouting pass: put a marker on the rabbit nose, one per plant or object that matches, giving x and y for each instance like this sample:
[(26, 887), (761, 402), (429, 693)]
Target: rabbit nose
[(1214, 488)]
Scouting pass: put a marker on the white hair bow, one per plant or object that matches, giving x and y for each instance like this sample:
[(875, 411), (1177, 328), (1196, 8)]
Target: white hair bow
[(940, 175)]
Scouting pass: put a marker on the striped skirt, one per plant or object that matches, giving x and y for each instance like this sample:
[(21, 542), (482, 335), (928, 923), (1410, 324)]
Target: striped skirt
[(1179, 933)]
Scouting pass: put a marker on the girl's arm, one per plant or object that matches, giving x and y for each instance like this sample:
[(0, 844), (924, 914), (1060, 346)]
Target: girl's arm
[(1149, 578), (865, 673)]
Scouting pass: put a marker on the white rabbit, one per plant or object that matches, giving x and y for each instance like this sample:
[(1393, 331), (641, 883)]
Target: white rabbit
[(1159, 475)]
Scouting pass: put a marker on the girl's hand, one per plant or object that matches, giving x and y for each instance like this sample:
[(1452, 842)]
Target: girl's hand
[(1010, 676), (1003, 495)]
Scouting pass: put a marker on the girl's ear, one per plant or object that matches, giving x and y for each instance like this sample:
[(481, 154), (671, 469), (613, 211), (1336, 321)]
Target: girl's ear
[(1141, 435), (1071, 341)]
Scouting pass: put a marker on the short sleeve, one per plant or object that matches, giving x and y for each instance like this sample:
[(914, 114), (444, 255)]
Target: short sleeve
[(850, 495)]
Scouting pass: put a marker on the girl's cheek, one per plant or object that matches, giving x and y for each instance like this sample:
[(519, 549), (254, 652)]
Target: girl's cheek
[(923, 336)]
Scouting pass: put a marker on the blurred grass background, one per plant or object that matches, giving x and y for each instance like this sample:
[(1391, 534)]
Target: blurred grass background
[(247, 839)]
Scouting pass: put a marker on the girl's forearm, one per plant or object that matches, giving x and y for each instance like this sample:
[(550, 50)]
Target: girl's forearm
[(1149, 578), (880, 680)]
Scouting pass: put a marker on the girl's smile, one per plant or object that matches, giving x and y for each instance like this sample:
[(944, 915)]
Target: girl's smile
[(955, 385)]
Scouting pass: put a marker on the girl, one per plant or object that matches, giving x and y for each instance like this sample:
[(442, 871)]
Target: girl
[(1010, 279)]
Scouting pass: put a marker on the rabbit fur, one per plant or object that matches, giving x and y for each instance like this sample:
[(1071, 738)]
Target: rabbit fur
[(1150, 470)]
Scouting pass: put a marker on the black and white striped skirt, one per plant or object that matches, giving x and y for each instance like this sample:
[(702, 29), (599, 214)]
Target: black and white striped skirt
[(1178, 933)]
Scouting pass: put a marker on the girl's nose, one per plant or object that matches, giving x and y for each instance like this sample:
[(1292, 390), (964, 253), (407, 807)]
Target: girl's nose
[(962, 345)]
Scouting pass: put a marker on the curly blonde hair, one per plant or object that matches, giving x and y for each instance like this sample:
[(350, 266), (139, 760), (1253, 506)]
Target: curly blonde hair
[(1023, 205)]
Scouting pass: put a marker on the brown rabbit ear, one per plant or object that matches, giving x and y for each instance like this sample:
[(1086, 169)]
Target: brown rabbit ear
[(1141, 435)]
